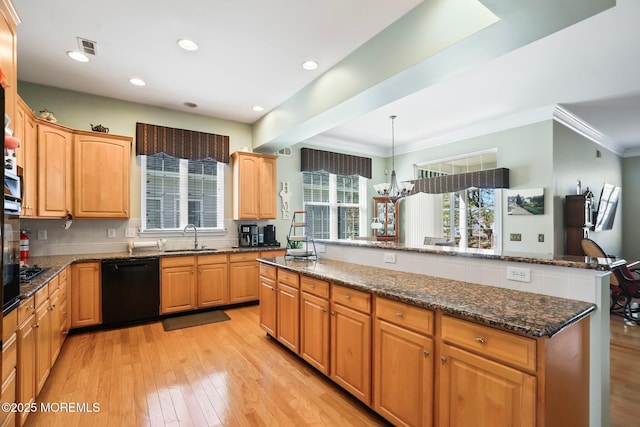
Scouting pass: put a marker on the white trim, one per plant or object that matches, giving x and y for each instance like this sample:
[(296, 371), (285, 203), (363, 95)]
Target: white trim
[(576, 124)]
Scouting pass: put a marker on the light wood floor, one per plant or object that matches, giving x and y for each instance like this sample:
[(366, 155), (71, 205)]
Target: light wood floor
[(230, 374), (226, 373)]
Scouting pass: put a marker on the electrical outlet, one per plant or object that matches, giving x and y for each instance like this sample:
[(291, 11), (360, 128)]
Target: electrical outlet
[(130, 232), (42, 234), (390, 258), (111, 233), (519, 274), (515, 237), (540, 238)]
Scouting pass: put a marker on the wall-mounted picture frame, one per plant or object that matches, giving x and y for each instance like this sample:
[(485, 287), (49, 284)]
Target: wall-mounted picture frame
[(525, 201)]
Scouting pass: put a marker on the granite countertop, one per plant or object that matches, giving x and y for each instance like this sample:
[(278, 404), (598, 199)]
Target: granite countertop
[(56, 263), (521, 312), (571, 261)]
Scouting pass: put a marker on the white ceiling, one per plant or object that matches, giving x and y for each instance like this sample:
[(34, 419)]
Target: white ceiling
[(251, 51)]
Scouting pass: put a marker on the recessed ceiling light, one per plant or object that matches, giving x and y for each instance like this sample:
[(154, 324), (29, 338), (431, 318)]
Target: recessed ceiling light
[(78, 56), (137, 82), (258, 108), (190, 104), (187, 44), (310, 65)]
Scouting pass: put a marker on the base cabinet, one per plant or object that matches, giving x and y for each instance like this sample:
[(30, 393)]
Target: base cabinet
[(86, 294), (213, 277), (351, 341), (419, 367), (403, 366), (177, 284), (315, 323), (288, 310), (479, 389), (26, 372), (268, 298), (243, 277)]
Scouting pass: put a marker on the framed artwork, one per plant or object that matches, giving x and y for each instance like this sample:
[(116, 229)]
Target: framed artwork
[(525, 202)]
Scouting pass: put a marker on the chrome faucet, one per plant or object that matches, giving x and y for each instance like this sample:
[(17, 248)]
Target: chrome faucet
[(195, 230)]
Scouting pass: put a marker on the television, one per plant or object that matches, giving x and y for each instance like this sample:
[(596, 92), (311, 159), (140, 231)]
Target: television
[(607, 207)]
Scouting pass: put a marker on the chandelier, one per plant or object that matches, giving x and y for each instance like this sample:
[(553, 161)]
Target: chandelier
[(392, 190)]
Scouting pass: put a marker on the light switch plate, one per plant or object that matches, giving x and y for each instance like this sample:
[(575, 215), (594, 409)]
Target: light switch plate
[(130, 232), (515, 237), (390, 258), (111, 233), (42, 234)]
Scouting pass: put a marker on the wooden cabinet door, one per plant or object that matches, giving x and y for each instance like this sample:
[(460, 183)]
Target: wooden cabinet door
[(267, 203), (56, 337), (177, 289), (213, 286), (86, 294), (29, 147), (243, 282), (101, 175), (54, 170), (314, 331), (43, 345), (489, 393), (403, 375), (350, 364), (287, 318), (246, 186), (26, 378), (268, 305)]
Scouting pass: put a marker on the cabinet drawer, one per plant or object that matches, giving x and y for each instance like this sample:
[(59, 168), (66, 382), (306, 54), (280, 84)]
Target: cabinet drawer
[(9, 357), (212, 259), (25, 309), (289, 277), (53, 284), (268, 271), (42, 295), (62, 276), (512, 349), (243, 256), (405, 315), (9, 324), (357, 300), (315, 286), (177, 261)]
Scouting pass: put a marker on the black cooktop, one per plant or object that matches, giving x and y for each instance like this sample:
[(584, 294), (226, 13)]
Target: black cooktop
[(28, 272)]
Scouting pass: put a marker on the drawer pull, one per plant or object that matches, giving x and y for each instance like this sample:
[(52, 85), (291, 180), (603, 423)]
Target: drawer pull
[(399, 314), (480, 340), (312, 286), (347, 297)]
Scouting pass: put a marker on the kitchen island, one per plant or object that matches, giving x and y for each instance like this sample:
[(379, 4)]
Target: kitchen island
[(474, 286)]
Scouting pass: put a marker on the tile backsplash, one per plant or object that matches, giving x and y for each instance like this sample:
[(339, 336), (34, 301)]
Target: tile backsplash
[(92, 236)]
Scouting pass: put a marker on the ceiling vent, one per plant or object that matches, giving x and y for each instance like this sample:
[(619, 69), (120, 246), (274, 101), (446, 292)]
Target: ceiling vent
[(87, 46)]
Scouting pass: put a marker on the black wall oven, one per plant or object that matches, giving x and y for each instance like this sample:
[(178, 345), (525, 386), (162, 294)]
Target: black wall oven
[(11, 243)]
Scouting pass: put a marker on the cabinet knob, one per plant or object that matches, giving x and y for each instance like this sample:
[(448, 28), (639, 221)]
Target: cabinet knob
[(312, 286), (443, 359), (480, 340), (399, 314), (333, 313), (37, 325), (324, 310), (426, 353), (347, 297)]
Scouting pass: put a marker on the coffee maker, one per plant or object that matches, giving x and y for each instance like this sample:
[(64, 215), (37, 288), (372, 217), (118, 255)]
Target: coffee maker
[(270, 236), (247, 235)]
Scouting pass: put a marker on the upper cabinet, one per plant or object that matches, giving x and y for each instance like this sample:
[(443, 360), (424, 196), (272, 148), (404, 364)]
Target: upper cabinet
[(101, 166), (85, 174), (8, 58), (26, 130), (54, 170), (254, 185)]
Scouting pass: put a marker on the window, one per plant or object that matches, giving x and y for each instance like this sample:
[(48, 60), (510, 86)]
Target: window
[(335, 205), (470, 218), (176, 192)]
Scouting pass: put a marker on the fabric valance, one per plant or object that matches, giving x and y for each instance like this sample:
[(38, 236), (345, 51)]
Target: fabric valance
[(491, 178), (336, 163), (181, 143)]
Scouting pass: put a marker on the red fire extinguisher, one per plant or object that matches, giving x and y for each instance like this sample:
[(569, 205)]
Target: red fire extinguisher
[(24, 247)]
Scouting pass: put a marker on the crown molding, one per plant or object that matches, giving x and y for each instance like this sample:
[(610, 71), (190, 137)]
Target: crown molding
[(576, 124)]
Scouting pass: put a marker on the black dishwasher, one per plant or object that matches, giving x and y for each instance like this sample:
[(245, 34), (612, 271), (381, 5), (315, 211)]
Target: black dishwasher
[(130, 290)]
